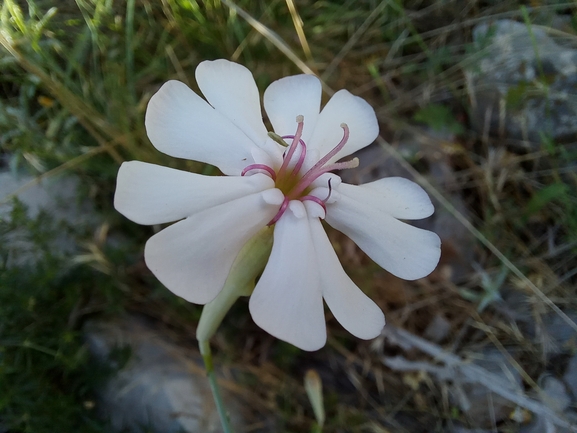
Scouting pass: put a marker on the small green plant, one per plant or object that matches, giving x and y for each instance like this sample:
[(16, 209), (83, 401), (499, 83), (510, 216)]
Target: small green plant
[(45, 368), (491, 287), (439, 118)]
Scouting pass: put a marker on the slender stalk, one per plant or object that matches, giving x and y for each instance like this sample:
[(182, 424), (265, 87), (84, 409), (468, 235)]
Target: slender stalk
[(204, 347), (240, 282)]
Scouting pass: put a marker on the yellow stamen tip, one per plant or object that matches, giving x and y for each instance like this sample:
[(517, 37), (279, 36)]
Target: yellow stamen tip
[(277, 138), (300, 118)]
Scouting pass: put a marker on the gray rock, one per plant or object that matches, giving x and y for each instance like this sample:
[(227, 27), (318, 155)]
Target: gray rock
[(540, 425), (457, 242), (438, 329), (523, 84), (554, 393), (481, 406), (54, 195), (58, 197), (555, 396), (461, 429), (162, 387), (557, 336), (570, 377), (374, 164)]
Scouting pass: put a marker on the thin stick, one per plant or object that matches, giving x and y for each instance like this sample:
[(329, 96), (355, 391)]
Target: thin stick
[(274, 38), (353, 40), (298, 23)]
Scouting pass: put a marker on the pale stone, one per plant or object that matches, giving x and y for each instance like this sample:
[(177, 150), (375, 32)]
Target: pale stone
[(162, 387)]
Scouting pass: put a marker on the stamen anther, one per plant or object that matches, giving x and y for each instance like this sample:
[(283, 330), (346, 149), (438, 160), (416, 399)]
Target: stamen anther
[(278, 139), (319, 168)]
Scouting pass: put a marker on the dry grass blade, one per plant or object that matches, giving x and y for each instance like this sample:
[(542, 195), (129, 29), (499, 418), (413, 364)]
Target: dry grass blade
[(275, 39), (455, 367), (55, 171), (298, 23), (88, 117), (353, 40)]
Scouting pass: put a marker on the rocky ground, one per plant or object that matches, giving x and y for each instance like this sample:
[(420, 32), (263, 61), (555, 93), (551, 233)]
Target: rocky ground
[(470, 340)]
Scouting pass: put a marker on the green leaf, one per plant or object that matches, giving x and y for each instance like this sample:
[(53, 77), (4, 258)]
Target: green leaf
[(314, 389), (541, 198), (439, 118)]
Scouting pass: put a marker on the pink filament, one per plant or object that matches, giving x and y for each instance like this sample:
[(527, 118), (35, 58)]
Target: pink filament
[(336, 149), (310, 176), (291, 150), (283, 207), (317, 200), (318, 169), (302, 156), (264, 167)]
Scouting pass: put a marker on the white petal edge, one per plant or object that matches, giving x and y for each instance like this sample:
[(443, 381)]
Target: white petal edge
[(287, 300), (289, 97), (182, 124), (231, 90), (405, 251), (152, 194), (354, 310), (397, 196), (359, 116), (193, 257)]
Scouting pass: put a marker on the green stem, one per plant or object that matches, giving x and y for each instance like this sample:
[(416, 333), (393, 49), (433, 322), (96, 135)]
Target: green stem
[(240, 282), (204, 347)]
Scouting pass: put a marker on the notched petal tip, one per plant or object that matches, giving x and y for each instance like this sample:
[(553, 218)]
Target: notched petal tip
[(431, 253), (356, 113), (182, 124), (289, 97), (230, 88), (405, 251), (287, 300), (354, 310)]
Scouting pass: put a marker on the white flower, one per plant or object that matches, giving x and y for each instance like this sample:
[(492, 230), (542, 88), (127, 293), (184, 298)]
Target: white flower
[(268, 183)]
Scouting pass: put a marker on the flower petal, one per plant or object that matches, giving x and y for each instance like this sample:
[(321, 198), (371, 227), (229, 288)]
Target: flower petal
[(403, 250), (289, 97), (182, 124), (397, 196), (287, 301), (231, 90), (351, 307), (152, 194), (360, 117), (192, 258)]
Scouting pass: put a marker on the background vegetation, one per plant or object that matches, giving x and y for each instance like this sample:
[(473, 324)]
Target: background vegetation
[(75, 80)]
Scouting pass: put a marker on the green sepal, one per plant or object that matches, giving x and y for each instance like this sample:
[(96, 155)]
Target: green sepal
[(249, 263)]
